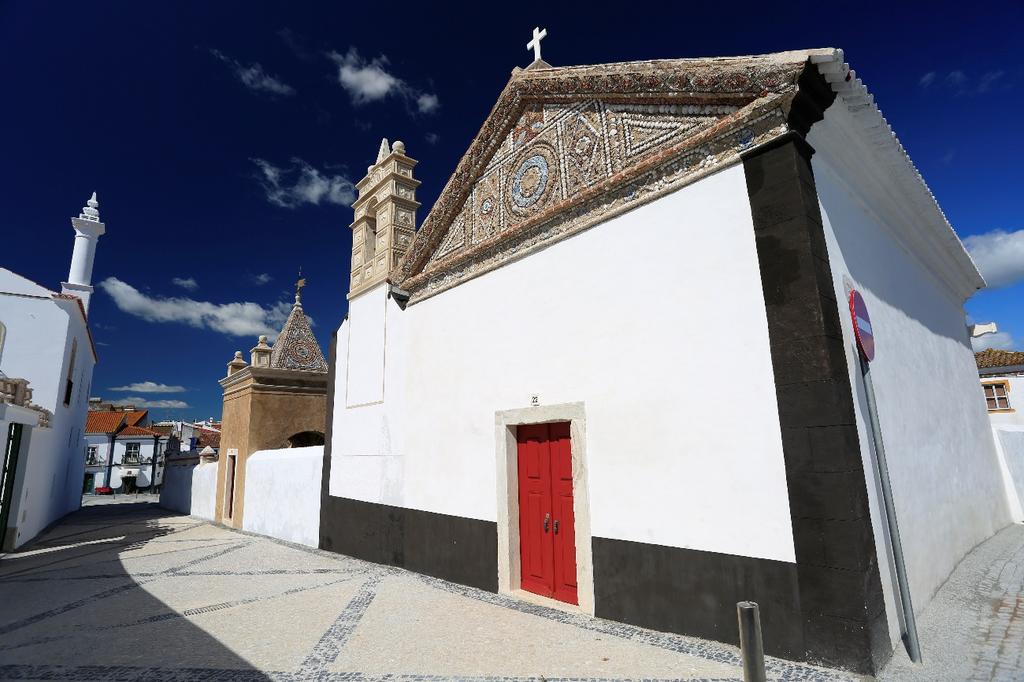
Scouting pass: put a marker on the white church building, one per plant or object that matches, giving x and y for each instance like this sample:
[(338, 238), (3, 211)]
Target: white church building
[(616, 368), (45, 339)]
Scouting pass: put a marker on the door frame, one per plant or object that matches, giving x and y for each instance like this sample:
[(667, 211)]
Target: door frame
[(230, 481), (507, 460)]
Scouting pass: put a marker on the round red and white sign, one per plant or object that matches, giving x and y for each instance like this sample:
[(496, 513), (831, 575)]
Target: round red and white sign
[(862, 326)]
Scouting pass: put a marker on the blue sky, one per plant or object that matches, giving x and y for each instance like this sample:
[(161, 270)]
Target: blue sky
[(223, 140)]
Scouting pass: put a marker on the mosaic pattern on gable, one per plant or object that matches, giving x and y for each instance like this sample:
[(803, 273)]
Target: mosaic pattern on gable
[(555, 151)]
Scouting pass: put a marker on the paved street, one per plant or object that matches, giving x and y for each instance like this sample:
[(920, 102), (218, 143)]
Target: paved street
[(124, 591), (974, 628)]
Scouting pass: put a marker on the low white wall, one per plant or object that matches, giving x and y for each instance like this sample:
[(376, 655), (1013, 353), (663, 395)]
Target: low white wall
[(282, 494), (1010, 447), (189, 487), (204, 490)]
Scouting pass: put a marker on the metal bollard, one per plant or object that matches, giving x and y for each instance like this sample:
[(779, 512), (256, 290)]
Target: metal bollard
[(751, 649)]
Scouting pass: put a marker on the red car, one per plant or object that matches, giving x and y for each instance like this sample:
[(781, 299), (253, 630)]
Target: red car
[(104, 490)]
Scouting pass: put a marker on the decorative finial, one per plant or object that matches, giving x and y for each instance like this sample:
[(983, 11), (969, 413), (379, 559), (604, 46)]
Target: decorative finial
[(385, 149), (298, 288), (538, 35), (91, 209), (398, 147)]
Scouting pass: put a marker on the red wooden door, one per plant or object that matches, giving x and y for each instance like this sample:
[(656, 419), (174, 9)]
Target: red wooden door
[(547, 530)]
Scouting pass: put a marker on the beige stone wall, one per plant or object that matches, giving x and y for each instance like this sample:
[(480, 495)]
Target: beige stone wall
[(262, 412), (236, 417)]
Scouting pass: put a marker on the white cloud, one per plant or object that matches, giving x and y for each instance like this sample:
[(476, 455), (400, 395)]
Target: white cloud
[(186, 283), (261, 278), (432, 138), (371, 81), (988, 80), (300, 183), (254, 77), (427, 103), (999, 256), (149, 387), (927, 79), (999, 341), (235, 319), (144, 402), (957, 79)]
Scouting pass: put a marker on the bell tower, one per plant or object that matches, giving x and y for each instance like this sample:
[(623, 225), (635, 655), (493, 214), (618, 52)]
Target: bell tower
[(385, 217)]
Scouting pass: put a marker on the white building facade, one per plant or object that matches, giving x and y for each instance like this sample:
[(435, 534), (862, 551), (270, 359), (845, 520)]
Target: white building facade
[(47, 341), (1002, 386), (139, 452), (616, 366)]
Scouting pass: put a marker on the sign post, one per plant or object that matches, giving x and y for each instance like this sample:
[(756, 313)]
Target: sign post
[(865, 337)]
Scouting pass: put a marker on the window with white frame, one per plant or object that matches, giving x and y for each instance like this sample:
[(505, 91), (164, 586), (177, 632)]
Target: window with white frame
[(131, 453), (997, 396)]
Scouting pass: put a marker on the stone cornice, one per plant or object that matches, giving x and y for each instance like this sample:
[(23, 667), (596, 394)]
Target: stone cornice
[(391, 175), (269, 379)]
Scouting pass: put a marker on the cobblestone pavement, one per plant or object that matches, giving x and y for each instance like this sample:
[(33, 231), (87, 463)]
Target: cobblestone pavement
[(130, 498), (974, 627), (129, 591)]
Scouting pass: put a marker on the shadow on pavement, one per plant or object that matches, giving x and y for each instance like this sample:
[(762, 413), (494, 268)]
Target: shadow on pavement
[(72, 610)]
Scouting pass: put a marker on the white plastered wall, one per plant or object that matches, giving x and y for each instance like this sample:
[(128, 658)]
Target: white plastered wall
[(273, 476), (654, 321), (941, 460), (37, 347)]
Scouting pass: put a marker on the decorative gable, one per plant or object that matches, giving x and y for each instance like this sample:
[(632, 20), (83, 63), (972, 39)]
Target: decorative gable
[(555, 152), (566, 148)]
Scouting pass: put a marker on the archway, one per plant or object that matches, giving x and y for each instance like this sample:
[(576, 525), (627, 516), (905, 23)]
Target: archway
[(305, 439)]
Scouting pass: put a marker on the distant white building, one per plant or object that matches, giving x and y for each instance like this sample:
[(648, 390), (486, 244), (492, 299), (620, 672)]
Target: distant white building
[(1002, 382), (138, 450), (45, 338), (1002, 386)]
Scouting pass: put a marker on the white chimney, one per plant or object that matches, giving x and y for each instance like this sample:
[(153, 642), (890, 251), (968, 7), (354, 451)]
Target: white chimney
[(88, 229)]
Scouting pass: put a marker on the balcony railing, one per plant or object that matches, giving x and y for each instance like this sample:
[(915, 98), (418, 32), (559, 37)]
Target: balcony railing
[(95, 460)]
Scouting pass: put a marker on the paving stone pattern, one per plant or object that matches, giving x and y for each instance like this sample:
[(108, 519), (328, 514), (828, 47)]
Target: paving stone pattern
[(974, 627), (127, 591)]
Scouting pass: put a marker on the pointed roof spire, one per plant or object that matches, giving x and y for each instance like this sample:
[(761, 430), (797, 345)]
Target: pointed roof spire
[(385, 149), (91, 209), (296, 346)]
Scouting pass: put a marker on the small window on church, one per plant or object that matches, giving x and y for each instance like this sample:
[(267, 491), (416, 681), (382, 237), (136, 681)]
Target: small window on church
[(69, 387), (996, 397)]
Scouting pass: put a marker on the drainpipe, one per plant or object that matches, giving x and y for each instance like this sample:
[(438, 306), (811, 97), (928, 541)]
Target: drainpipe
[(110, 458), (152, 464), (910, 638)]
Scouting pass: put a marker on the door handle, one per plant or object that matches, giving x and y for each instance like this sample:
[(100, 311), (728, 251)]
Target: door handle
[(556, 526), (547, 520)]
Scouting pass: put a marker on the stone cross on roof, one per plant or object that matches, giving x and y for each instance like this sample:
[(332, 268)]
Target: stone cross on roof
[(538, 35)]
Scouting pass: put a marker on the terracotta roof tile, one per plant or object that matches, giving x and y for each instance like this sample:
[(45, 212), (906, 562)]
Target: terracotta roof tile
[(207, 437), (136, 416), (998, 358), (136, 431), (103, 422)]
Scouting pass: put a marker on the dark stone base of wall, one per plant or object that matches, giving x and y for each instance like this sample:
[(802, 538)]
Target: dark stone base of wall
[(452, 548), (691, 592)]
